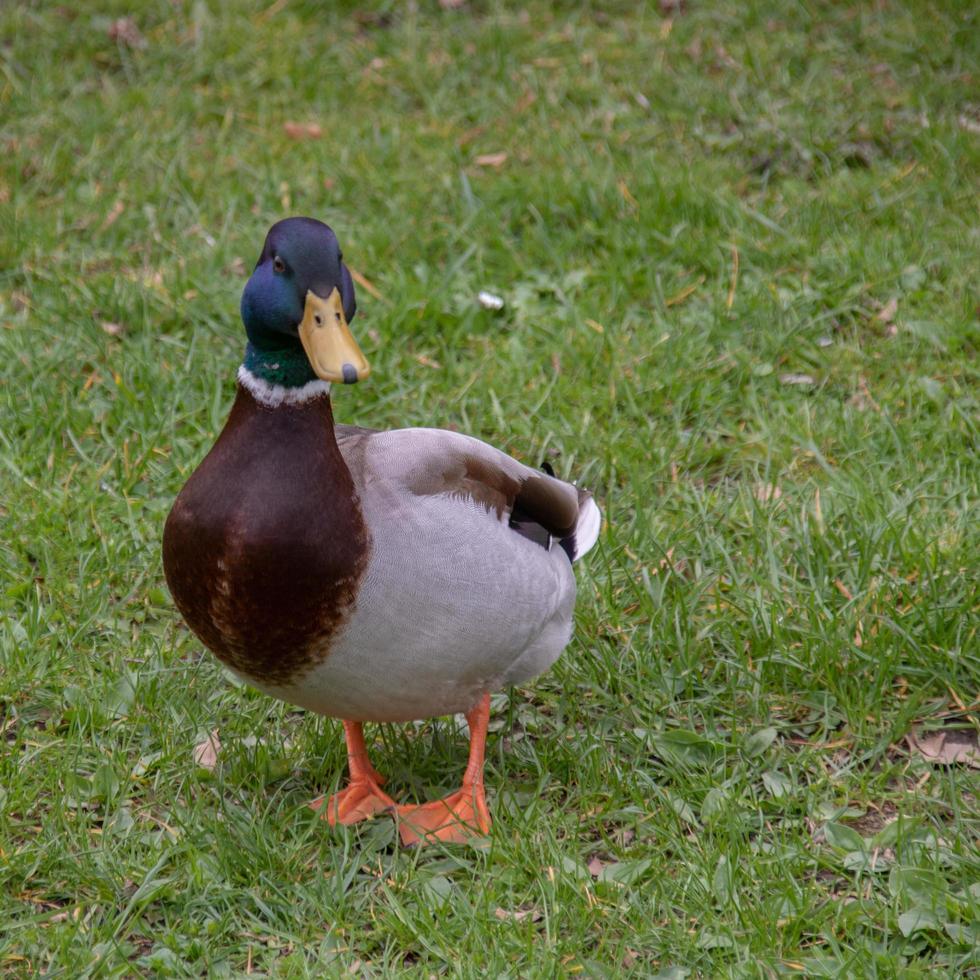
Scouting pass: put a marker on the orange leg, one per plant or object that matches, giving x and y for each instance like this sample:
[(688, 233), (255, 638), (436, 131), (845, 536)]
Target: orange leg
[(463, 815), (362, 797)]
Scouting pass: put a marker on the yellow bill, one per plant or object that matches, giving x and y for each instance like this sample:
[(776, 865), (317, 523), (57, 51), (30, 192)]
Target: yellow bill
[(327, 340)]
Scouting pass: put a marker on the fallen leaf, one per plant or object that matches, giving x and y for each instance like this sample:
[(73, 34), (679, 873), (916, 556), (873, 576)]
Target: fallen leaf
[(953, 746), (236, 266), (797, 379), (114, 212), (518, 915), (470, 135), (112, 329), (969, 124), (862, 399), (525, 101), (427, 361), (766, 492), (206, 752), (491, 160), (123, 30), (626, 195), (887, 313), (302, 131), (595, 866)]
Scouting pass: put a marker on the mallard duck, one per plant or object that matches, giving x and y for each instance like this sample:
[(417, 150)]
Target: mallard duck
[(369, 576)]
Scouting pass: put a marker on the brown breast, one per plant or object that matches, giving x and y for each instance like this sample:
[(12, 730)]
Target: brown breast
[(265, 546)]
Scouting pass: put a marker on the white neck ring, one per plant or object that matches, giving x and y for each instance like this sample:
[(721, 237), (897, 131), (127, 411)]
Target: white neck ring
[(272, 396)]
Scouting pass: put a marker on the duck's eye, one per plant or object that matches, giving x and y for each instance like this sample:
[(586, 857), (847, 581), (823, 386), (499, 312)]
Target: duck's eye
[(278, 264)]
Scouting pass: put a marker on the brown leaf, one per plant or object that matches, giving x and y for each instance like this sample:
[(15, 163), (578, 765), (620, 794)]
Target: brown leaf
[(665, 562), (952, 746), (236, 266), (525, 101), (766, 492), (862, 399), (302, 131), (595, 866), (887, 313), (491, 160), (123, 30), (518, 915), (470, 135), (114, 212), (112, 329), (206, 752), (625, 193)]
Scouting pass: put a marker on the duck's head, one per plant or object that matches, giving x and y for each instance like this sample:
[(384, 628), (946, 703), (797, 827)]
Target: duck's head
[(301, 296)]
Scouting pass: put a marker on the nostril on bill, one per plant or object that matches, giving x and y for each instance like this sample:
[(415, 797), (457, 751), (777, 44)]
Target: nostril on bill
[(350, 374)]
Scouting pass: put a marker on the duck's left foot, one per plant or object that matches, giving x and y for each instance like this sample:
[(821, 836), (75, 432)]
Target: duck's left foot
[(361, 799), (462, 816), (456, 819)]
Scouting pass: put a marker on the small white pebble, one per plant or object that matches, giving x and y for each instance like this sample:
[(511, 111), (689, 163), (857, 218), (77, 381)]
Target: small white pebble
[(489, 301)]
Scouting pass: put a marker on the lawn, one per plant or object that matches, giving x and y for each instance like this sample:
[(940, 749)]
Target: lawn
[(738, 249)]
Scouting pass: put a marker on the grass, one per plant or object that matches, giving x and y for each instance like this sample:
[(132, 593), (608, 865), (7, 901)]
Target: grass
[(738, 246)]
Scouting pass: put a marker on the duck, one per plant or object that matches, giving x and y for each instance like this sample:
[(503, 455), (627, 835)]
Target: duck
[(373, 576)]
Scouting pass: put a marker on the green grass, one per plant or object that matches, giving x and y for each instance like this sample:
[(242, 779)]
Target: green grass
[(714, 780)]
